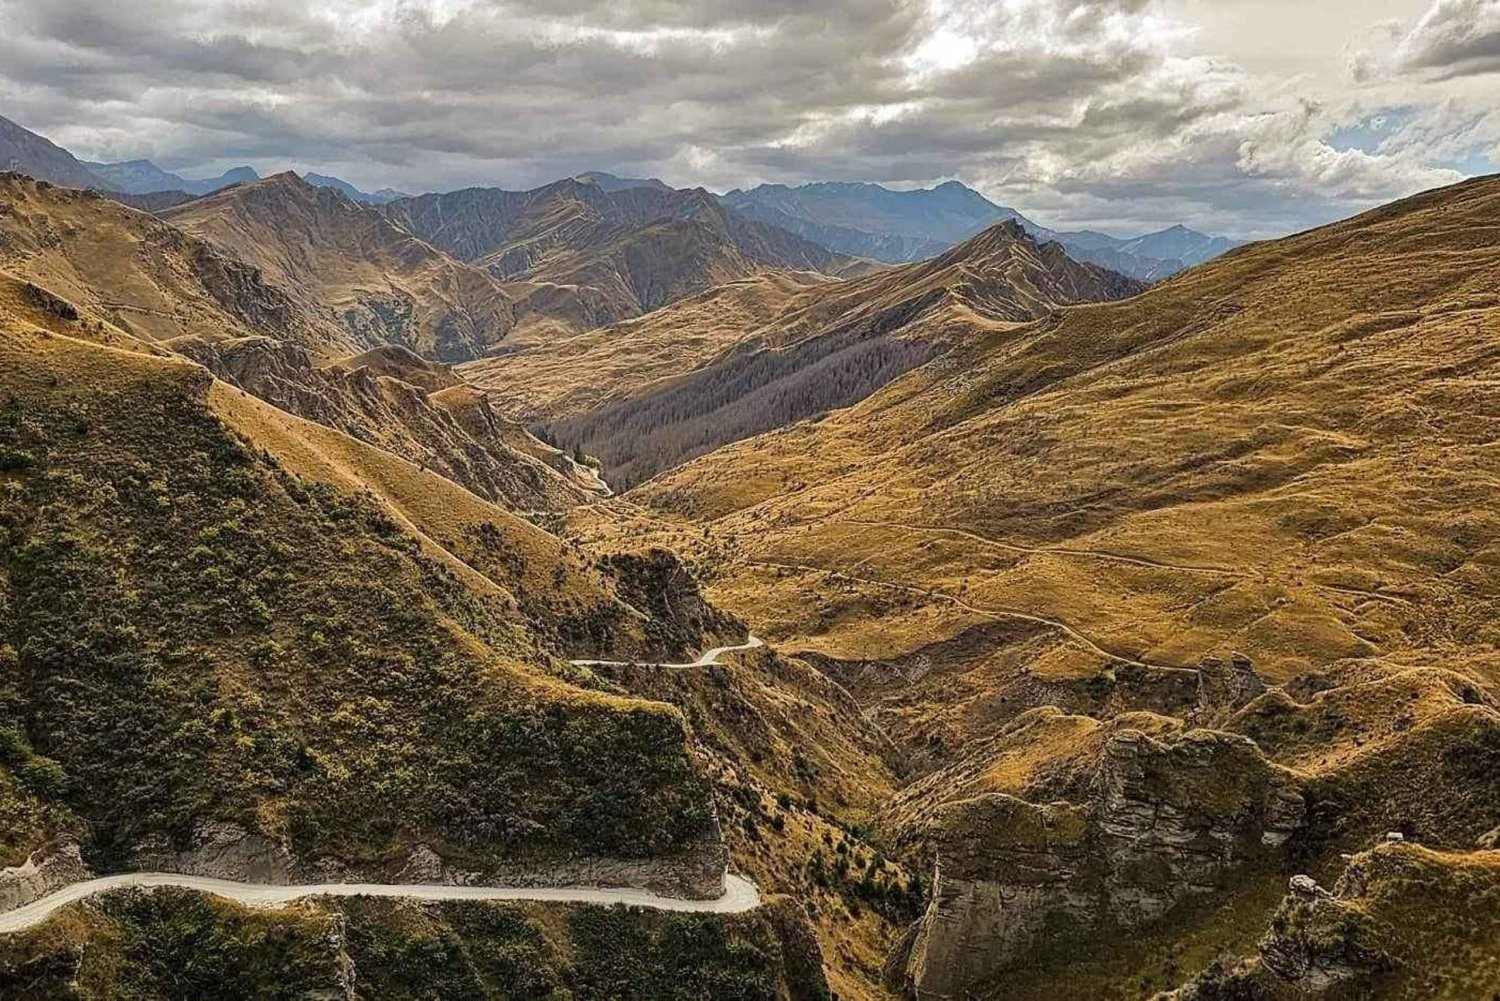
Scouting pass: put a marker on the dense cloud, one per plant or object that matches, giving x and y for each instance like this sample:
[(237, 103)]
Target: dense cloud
[(1094, 112), (1456, 37)]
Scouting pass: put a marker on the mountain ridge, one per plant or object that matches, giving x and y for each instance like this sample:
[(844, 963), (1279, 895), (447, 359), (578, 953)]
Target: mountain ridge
[(899, 226), (823, 346)]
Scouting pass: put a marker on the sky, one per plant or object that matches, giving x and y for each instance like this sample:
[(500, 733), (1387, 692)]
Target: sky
[(1248, 118)]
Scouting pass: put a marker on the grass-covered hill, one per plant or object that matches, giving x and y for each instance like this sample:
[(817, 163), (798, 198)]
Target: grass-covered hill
[(175, 944), (1080, 568), (757, 355), (220, 621)]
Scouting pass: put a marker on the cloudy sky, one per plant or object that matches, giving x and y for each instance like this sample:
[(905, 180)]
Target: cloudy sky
[(1246, 117)]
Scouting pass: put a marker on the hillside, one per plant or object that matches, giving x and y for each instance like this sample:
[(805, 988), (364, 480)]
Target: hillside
[(413, 408), (587, 254), (156, 283), (232, 638), (175, 944), (1071, 566), (750, 357), (142, 275), (25, 152), (347, 265)]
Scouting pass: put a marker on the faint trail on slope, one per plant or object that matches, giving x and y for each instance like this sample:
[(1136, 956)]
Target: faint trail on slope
[(1141, 561), (739, 894), (989, 613)]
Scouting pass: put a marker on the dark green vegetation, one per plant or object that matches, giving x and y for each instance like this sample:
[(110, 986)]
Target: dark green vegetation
[(190, 634), (179, 944)]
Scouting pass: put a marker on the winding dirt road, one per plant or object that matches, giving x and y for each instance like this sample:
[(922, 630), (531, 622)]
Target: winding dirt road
[(709, 658), (739, 894)]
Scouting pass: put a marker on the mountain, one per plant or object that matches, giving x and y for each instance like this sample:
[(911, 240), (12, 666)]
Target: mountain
[(373, 283), (580, 255), (148, 278), (197, 299), (27, 153), (142, 177), (749, 357), (351, 192), (610, 182), (137, 177), (868, 220), (1210, 566)]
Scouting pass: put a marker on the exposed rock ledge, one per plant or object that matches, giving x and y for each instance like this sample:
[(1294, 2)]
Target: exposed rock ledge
[(225, 851), (47, 869), (1165, 821)]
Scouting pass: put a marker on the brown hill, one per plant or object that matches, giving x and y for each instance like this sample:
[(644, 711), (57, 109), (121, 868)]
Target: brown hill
[(1251, 504), (139, 273), (740, 370), (235, 641), (586, 256), (347, 265), (410, 407), (147, 277)]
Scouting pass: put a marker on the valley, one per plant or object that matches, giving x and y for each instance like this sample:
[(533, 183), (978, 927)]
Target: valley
[(611, 590)]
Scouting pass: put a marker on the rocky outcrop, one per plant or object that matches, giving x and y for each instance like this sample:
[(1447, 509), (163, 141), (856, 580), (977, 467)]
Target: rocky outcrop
[(1164, 821), (389, 405), (1224, 687), (46, 870), (225, 851), (680, 621)]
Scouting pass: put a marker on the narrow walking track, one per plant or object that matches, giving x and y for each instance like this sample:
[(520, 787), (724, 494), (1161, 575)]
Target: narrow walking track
[(739, 894), (997, 614)]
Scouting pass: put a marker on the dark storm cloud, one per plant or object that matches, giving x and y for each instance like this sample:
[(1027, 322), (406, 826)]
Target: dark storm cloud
[(1074, 104)]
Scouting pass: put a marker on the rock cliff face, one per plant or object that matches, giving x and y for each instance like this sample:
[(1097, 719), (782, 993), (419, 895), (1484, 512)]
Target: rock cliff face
[(681, 622), (1403, 923), (47, 869), (1164, 821), (225, 851)]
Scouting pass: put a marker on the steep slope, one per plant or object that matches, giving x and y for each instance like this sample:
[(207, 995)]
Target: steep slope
[(348, 265), (416, 409), (571, 376), (144, 276), (824, 347), (25, 152), (1236, 526), (240, 644), (868, 220), (148, 278), (588, 253), (175, 944)]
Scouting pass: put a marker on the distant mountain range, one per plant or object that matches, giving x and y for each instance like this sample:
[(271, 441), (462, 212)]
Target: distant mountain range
[(896, 227), (592, 250), (812, 227), (142, 177)]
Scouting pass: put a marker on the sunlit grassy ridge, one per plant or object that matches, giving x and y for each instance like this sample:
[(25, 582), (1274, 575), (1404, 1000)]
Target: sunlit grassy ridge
[(198, 632)]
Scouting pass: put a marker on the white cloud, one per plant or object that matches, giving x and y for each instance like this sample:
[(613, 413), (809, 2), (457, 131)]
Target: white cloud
[(1102, 112)]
